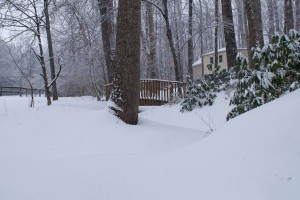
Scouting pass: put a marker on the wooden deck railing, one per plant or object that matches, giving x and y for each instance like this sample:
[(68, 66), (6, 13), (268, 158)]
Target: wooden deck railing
[(20, 91), (155, 92)]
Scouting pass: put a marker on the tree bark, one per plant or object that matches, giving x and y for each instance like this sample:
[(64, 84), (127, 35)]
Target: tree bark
[(231, 47), (252, 39), (178, 75), (106, 9), (297, 15), (276, 15), (50, 49), (190, 42), (271, 19), (216, 32), (241, 25), (126, 88), (152, 68), (288, 16), (41, 59), (258, 22)]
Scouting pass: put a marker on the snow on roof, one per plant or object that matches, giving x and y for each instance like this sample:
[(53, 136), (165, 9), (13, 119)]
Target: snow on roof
[(221, 50), (198, 62)]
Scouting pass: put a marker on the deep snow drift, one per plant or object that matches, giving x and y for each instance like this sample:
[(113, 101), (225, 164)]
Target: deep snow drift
[(77, 150)]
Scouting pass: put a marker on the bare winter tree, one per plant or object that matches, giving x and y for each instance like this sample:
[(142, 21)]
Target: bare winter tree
[(297, 14), (288, 15), (254, 37), (26, 17), (50, 49), (126, 85), (165, 13), (231, 47), (190, 42), (216, 63), (271, 18), (106, 12), (152, 71)]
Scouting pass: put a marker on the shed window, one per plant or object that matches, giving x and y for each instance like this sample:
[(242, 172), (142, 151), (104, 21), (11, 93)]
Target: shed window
[(220, 58), (211, 60)]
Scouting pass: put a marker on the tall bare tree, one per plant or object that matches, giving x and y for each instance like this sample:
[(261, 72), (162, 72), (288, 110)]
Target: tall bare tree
[(26, 17), (230, 40), (288, 15), (126, 86), (253, 38), (271, 18), (216, 63), (258, 21), (106, 12), (50, 49), (297, 4), (190, 42), (152, 71), (165, 13)]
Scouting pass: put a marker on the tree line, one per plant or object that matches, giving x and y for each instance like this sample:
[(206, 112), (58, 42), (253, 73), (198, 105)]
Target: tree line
[(95, 42)]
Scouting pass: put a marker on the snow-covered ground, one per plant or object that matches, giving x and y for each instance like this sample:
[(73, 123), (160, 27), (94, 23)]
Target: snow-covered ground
[(76, 150)]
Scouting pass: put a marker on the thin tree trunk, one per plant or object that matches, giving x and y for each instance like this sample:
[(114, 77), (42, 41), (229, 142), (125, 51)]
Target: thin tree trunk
[(216, 32), (288, 16), (106, 12), (50, 49), (253, 40), (276, 15), (271, 19), (178, 75), (201, 38), (43, 65), (126, 88), (152, 68), (190, 42), (297, 4), (258, 22), (231, 47)]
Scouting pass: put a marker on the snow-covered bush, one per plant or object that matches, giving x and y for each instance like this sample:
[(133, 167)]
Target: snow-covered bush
[(197, 94), (277, 70)]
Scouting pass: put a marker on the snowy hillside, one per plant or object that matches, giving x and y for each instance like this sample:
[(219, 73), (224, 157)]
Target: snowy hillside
[(77, 150)]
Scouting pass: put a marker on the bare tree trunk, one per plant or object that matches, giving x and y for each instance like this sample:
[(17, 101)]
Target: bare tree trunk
[(201, 37), (41, 59), (258, 23), (216, 32), (241, 24), (253, 40), (271, 19), (231, 47), (178, 75), (276, 15), (50, 49), (190, 42), (288, 16), (297, 15), (152, 68), (106, 11), (126, 88)]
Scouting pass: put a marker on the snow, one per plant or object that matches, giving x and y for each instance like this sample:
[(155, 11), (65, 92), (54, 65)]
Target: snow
[(198, 62), (75, 149)]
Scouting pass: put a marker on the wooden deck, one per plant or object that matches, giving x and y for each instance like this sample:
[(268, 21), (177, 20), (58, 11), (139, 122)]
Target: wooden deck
[(155, 92)]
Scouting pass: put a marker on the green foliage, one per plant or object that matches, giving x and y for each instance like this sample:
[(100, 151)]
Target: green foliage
[(197, 94), (277, 71)]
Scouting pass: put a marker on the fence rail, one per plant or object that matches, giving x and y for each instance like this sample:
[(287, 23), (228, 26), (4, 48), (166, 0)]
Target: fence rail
[(155, 92), (20, 91)]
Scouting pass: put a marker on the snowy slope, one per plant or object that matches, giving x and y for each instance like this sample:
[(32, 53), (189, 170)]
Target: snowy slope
[(92, 155)]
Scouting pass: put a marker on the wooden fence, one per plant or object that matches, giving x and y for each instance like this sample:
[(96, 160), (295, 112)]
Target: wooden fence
[(155, 92), (20, 91)]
